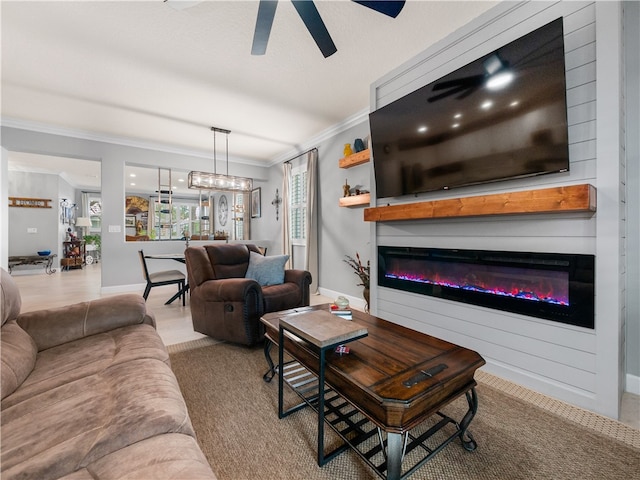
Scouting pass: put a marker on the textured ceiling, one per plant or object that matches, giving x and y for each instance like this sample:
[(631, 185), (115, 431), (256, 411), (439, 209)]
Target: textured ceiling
[(161, 74)]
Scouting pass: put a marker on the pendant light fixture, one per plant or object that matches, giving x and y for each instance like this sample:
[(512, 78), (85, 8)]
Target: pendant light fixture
[(218, 181)]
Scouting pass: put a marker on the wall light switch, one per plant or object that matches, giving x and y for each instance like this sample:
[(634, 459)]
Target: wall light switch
[(32, 230), (115, 229)]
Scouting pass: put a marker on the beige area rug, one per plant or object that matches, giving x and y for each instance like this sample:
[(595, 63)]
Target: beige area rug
[(234, 413)]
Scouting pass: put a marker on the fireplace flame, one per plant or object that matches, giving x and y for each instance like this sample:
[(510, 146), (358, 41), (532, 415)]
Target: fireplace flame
[(528, 284)]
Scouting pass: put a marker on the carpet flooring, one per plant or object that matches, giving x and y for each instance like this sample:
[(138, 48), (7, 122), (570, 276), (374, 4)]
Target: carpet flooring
[(234, 414)]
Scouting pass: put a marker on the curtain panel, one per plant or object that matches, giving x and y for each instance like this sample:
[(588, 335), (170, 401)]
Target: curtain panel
[(311, 224), (286, 216)]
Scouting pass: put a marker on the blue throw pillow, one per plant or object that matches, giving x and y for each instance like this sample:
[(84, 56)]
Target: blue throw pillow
[(266, 270)]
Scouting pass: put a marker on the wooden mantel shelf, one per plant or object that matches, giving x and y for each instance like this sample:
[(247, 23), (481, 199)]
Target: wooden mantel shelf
[(573, 198)]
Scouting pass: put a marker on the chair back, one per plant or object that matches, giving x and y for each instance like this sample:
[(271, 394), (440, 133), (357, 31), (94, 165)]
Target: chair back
[(143, 262), (229, 260)]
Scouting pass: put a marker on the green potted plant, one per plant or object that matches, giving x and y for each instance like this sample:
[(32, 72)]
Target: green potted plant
[(93, 240), (93, 243)]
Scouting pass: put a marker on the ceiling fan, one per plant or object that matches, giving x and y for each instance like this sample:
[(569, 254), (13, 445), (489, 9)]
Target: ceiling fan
[(465, 86), (497, 71), (312, 20)]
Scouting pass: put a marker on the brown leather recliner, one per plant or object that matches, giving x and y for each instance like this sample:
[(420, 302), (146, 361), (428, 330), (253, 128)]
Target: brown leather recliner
[(227, 306)]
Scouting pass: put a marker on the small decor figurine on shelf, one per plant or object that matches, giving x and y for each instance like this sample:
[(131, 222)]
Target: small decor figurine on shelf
[(358, 144), (346, 188), (71, 235), (347, 149), (363, 273)]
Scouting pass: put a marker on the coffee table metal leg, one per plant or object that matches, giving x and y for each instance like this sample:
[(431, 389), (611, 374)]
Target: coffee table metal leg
[(280, 373), (268, 376), (321, 459), (394, 455), (469, 443)]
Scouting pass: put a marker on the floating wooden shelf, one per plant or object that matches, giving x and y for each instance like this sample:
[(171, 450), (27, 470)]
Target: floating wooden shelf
[(355, 200), (573, 198), (355, 159)]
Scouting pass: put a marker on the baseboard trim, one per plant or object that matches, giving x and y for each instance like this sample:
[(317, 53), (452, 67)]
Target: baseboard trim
[(356, 302), (632, 384), (133, 288)]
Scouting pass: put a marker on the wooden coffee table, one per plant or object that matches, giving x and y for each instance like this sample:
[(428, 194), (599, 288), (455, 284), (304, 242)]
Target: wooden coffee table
[(383, 398)]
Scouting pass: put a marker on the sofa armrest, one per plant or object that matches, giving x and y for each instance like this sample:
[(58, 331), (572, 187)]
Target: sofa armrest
[(199, 269), (56, 326), (303, 279), (228, 289)]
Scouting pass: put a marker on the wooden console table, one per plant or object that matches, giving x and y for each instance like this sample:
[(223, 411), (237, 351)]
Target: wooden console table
[(47, 261)]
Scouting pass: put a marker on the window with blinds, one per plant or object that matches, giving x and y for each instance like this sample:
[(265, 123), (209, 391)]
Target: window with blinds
[(298, 205)]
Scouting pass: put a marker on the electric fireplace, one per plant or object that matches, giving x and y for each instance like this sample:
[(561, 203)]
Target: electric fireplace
[(552, 286)]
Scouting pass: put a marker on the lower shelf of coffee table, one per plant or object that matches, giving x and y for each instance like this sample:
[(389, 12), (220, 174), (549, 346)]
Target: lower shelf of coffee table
[(364, 437)]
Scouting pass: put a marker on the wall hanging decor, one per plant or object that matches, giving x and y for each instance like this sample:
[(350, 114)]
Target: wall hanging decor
[(256, 203)]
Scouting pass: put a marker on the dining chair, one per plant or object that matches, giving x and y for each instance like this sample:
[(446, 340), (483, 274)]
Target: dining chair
[(165, 277)]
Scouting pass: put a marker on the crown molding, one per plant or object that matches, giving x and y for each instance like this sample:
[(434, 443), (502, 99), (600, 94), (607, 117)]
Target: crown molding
[(330, 132), (21, 124)]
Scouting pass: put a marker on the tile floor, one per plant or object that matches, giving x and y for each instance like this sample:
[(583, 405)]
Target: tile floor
[(173, 321)]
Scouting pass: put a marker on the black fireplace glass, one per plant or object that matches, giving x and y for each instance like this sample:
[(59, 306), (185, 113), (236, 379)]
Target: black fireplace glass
[(552, 286)]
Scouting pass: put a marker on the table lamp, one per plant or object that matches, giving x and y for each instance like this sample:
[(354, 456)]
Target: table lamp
[(83, 222)]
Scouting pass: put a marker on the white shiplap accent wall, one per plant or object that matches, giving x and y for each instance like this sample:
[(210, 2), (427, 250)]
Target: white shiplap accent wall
[(567, 362)]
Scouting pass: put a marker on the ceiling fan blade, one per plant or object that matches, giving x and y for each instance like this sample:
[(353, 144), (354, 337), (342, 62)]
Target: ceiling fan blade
[(448, 93), (311, 18), (469, 91), (470, 81), (391, 8), (266, 12)]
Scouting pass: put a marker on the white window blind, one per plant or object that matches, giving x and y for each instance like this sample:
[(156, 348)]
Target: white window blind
[(298, 205)]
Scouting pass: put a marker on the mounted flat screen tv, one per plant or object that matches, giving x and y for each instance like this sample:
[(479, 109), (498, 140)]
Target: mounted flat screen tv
[(500, 117)]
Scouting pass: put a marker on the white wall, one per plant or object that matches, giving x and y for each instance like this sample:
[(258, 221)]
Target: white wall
[(342, 230), (267, 227), (575, 364), (44, 220)]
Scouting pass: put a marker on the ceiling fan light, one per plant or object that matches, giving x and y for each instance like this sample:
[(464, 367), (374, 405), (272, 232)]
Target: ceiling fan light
[(500, 80)]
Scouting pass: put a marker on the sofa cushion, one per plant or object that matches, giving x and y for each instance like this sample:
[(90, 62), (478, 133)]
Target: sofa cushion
[(281, 297), (67, 428), (167, 456), (228, 260), (266, 270), (18, 357), (74, 360), (56, 326)]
